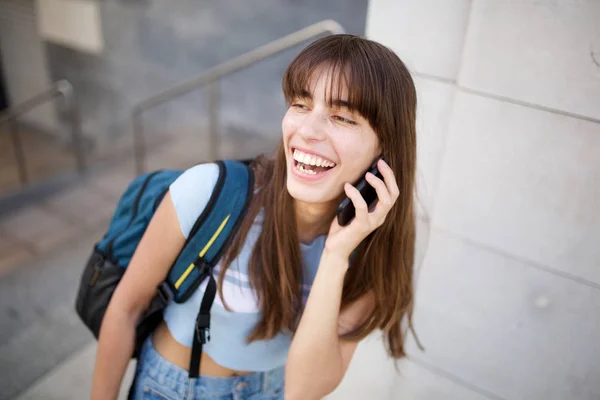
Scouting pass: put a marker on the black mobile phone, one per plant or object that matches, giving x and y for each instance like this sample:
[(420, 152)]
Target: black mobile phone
[(346, 211)]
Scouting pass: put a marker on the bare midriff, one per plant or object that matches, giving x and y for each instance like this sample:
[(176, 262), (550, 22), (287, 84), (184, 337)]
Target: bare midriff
[(178, 354)]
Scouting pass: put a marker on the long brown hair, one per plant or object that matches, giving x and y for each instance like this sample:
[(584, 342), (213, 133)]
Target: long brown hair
[(381, 89)]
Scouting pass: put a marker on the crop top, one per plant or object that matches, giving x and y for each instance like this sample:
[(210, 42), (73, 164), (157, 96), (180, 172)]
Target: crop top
[(229, 330)]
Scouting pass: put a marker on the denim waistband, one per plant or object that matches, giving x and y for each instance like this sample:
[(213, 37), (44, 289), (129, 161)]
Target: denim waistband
[(175, 378)]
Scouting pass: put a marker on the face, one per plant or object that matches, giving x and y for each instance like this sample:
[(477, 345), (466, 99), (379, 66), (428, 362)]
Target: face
[(325, 146)]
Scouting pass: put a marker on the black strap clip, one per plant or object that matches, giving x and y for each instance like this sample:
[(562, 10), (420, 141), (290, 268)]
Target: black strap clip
[(203, 328), (165, 293), (203, 268), (203, 335)]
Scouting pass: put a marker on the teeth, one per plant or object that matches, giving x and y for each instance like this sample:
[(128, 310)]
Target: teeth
[(306, 171), (311, 159)]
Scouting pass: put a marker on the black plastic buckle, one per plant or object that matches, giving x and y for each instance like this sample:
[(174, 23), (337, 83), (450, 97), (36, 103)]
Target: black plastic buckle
[(164, 292), (203, 267), (203, 328), (203, 334), (203, 321)]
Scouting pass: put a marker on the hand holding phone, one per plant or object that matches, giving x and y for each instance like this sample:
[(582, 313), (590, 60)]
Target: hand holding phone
[(346, 211)]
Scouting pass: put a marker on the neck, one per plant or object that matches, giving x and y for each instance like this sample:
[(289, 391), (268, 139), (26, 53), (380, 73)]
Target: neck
[(313, 220)]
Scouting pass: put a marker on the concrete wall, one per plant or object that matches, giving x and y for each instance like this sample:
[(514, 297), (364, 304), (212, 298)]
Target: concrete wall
[(508, 298), (73, 23)]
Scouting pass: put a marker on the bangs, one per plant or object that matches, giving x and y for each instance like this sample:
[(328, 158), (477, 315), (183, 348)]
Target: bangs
[(351, 71)]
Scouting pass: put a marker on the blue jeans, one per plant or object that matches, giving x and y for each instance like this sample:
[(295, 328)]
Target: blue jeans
[(158, 379)]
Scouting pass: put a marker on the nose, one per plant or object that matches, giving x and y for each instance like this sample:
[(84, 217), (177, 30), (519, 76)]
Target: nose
[(313, 126)]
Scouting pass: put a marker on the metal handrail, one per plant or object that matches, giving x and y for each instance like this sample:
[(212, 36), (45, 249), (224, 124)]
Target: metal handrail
[(60, 88), (215, 73)]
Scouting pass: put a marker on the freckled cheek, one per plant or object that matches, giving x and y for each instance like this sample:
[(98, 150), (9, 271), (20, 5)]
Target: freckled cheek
[(346, 147), (352, 151), (362, 145), (285, 126), (289, 126)]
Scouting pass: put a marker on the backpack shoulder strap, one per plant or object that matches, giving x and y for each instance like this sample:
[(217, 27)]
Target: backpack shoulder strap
[(212, 229)]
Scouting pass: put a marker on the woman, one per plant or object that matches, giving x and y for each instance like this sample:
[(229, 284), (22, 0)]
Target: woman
[(297, 291)]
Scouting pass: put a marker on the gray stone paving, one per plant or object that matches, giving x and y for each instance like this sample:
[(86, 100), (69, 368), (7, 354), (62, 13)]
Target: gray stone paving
[(39, 325)]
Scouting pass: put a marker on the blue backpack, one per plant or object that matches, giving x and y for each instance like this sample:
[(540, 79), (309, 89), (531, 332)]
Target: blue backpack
[(195, 262)]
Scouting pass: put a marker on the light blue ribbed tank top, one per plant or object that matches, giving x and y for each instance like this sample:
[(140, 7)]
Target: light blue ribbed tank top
[(228, 330)]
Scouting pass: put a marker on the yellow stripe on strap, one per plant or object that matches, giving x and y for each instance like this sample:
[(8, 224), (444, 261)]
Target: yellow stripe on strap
[(214, 237), (185, 275)]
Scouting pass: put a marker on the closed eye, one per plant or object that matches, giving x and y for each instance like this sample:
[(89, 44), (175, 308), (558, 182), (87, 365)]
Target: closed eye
[(344, 120), (300, 106)]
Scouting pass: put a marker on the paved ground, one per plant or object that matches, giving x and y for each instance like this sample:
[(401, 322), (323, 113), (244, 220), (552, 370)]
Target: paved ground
[(40, 329)]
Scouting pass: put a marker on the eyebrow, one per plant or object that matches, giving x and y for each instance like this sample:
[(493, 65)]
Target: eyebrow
[(341, 104), (305, 94)]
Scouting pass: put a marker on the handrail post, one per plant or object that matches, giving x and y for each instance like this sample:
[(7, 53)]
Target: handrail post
[(213, 119), (19, 153), (68, 94)]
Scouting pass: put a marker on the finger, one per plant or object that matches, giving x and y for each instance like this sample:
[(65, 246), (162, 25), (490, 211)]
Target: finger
[(384, 203), (389, 178), (360, 205), (383, 194)]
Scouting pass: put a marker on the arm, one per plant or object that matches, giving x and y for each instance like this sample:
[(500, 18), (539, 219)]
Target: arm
[(149, 266), (318, 358)]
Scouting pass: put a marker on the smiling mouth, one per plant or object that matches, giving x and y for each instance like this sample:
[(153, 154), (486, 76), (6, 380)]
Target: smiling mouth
[(310, 164)]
